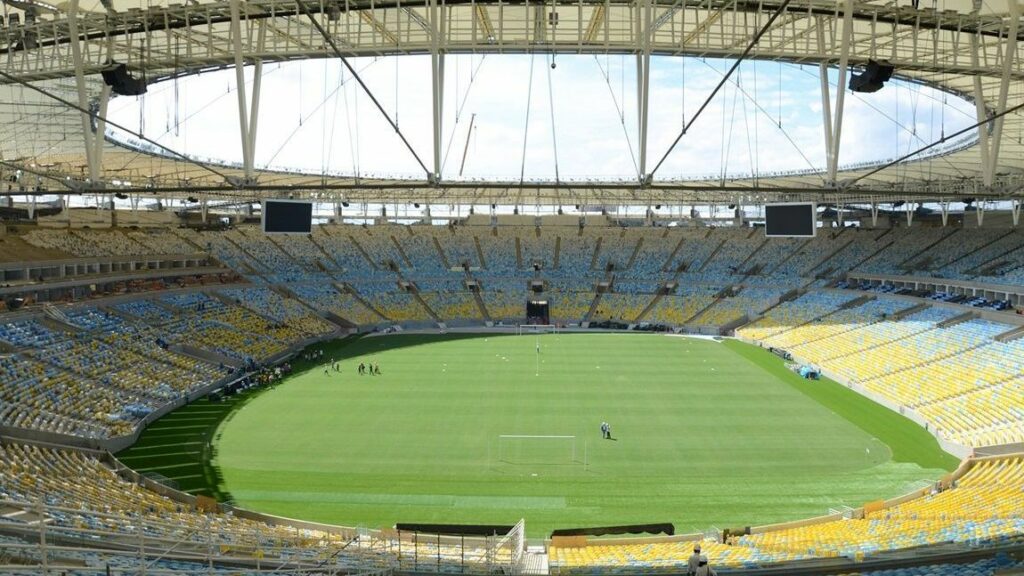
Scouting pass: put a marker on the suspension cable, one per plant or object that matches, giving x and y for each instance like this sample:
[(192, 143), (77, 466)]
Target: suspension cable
[(960, 132), (334, 122), (732, 130), (755, 149), (895, 120), (109, 122), (334, 46), (460, 107), (551, 106), (305, 118), (618, 111), (768, 115), (526, 128), (746, 51)]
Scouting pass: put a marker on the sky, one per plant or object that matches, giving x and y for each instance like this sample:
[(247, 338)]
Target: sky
[(577, 121)]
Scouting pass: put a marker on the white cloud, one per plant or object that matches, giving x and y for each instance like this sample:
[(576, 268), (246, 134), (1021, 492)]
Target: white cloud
[(310, 121)]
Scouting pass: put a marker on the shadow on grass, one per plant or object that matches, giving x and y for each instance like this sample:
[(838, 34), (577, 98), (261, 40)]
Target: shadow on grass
[(181, 446)]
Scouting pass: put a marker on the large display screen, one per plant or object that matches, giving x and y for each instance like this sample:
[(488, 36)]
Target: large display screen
[(287, 217), (791, 220)]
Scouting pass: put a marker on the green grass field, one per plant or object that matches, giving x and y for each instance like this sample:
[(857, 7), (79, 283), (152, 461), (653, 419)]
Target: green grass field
[(706, 434)]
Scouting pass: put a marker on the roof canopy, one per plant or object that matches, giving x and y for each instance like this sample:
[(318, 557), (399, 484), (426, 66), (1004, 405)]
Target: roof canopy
[(54, 54)]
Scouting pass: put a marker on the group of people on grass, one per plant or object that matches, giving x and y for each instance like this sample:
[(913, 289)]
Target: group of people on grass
[(268, 375), (335, 367), (371, 369)]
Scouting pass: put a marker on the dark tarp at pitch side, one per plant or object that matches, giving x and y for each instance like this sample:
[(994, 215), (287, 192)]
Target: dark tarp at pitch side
[(661, 528), (456, 529)]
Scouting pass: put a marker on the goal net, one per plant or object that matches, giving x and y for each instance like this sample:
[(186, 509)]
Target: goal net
[(537, 329), (531, 449)]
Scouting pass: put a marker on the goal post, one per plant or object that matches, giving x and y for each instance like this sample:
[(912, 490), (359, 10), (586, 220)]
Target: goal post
[(538, 449), (537, 329)]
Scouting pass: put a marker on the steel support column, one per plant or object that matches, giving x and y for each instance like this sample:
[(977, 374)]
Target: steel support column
[(437, 83), (243, 104), (1013, 10), (643, 79), (101, 128), (82, 91), (826, 96), (254, 104), (254, 113), (844, 58), (981, 114)]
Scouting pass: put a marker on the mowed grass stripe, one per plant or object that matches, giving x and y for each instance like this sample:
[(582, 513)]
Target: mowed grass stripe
[(908, 441), (179, 478), (166, 467), (706, 435), (180, 419), (162, 446), (160, 455), (162, 435), (176, 426), (436, 500), (166, 443)]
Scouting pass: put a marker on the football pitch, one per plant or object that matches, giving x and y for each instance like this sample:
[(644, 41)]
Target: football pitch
[(705, 433)]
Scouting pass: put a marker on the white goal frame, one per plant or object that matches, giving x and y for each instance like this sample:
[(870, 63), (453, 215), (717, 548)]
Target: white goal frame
[(522, 329), (569, 437)]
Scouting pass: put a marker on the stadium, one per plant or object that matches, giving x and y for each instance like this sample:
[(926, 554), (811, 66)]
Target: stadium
[(581, 288)]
